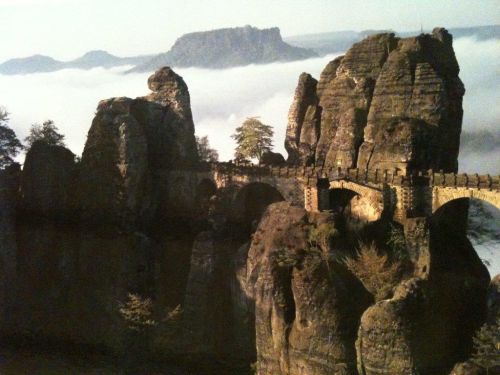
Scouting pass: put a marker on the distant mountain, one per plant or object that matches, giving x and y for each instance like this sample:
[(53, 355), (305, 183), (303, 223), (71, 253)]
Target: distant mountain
[(104, 59), (224, 48), (33, 64), (92, 59), (339, 41)]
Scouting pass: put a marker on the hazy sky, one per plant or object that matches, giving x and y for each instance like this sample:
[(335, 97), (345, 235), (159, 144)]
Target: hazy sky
[(65, 29)]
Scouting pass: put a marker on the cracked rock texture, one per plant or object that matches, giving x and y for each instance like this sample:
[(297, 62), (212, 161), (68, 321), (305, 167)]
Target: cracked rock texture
[(388, 103), (306, 314), (129, 142)]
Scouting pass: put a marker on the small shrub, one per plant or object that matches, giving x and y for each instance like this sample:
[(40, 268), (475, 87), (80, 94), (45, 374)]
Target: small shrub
[(376, 273), (397, 242), (284, 258), (137, 312), (319, 240), (487, 346), (321, 235)]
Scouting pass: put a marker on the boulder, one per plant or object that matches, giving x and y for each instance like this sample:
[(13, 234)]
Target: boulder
[(272, 158)]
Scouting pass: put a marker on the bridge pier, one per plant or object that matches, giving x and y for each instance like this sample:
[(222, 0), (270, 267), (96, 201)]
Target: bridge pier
[(417, 235)]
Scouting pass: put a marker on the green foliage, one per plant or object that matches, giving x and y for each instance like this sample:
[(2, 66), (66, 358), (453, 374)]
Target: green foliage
[(397, 242), (9, 144), (319, 236), (137, 312), (47, 133), (253, 138), (376, 273), (487, 346), (205, 152), (284, 258)]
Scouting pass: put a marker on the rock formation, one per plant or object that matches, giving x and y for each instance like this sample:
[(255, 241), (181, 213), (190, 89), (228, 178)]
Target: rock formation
[(130, 141), (272, 158), (49, 180), (388, 103), (306, 308), (224, 48), (235, 273)]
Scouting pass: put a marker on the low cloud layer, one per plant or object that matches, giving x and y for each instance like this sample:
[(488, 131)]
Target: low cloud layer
[(222, 99)]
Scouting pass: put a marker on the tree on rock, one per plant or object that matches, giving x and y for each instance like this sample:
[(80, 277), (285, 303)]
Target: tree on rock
[(47, 133), (9, 144), (487, 347), (205, 152), (253, 139)]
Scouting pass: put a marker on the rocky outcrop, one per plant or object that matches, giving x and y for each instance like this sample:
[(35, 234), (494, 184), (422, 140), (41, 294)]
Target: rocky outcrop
[(224, 48), (9, 186), (49, 181), (394, 334), (233, 271), (494, 299), (272, 158), (130, 141), (306, 308), (302, 132), (315, 314), (388, 103)]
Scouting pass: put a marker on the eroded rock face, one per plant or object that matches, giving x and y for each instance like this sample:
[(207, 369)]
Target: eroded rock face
[(272, 158), (49, 180), (303, 122), (444, 307), (305, 313), (494, 299), (130, 141), (388, 103), (9, 186)]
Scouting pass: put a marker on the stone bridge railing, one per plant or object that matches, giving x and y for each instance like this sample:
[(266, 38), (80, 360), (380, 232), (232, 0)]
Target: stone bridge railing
[(374, 176)]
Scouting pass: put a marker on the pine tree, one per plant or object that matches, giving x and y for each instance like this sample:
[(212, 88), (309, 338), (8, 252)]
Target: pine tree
[(487, 346), (253, 138), (9, 144), (205, 152), (47, 133)]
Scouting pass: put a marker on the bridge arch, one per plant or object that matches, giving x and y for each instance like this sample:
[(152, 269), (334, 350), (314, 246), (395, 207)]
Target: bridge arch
[(443, 195), (252, 200), (364, 202)]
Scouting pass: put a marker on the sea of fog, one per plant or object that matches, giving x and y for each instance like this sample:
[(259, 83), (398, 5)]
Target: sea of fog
[(222, 99)]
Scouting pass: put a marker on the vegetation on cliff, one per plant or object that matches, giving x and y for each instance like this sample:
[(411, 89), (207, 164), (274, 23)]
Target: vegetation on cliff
[(47, 133), (253, 138), (10, 146)]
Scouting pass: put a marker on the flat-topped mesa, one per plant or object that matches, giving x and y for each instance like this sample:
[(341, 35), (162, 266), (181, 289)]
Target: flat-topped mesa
[(132, 140), (388, 103)]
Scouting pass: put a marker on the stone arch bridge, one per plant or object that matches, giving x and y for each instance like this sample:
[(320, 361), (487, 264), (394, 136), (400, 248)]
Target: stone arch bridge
[(409, 199), (377, 192)]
